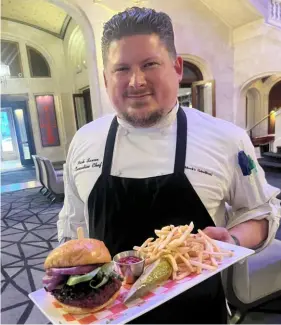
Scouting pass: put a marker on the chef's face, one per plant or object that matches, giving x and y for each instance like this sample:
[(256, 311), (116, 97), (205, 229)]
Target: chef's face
[(142, 79)]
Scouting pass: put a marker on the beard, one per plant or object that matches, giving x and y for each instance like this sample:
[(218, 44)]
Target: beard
[(138, 116)]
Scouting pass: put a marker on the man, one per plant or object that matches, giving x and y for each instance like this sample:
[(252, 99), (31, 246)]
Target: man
[(155, 164)]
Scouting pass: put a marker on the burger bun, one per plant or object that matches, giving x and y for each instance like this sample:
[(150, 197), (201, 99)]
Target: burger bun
[(77, 252)]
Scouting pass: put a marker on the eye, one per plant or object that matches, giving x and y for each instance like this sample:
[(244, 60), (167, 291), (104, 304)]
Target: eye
[(121, 69), (150, 64)]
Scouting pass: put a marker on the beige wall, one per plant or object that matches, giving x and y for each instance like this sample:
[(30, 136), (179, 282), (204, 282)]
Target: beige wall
[(199, 33), (232, 57), (59, 85), (75, 51), (257, 54)]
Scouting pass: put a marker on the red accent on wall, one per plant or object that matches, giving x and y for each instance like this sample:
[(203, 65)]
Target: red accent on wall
[(47, 120)]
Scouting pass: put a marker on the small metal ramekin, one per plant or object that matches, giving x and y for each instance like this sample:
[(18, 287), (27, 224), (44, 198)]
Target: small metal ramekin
[(130, 272)]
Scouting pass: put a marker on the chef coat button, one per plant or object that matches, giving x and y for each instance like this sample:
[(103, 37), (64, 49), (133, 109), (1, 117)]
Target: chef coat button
[(126, 132)]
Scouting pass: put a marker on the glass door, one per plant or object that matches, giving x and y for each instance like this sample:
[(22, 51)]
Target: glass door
[(23, 136), (9, 145), (20, 119)]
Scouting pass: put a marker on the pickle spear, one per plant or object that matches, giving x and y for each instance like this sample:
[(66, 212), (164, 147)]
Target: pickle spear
[(153, 275)]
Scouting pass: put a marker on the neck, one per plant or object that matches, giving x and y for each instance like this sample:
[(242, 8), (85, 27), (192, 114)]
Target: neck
[(155, 122)]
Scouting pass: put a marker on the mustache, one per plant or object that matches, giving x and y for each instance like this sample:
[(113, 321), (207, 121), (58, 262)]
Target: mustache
[(132, 93)]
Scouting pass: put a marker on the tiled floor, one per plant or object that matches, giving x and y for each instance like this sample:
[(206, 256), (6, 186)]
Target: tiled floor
[(19, 186), (10, 165)]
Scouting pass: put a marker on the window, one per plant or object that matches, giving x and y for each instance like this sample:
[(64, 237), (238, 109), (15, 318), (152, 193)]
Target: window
[(38, 65), (190, 73), (10, 56)]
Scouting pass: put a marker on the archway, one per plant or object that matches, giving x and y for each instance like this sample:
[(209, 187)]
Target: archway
[(74, 11), (274, 102), (191, 74), (241, 92), (197, 88)]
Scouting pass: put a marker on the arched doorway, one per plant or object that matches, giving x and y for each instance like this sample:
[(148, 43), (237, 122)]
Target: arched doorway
[(263, 82), (274, 102), (78, 14), (191, 73), (197, 89)]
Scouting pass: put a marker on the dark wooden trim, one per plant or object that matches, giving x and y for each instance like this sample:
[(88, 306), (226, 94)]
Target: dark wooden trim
[(194, 94), (214, 111), (88, 110), (64, 27), (75, 109)]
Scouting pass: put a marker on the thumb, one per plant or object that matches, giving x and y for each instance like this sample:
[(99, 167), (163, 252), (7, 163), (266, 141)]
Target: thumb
[(218, 233)]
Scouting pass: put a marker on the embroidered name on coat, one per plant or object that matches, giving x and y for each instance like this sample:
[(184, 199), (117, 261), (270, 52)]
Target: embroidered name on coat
[(199, 170), (88, 163)]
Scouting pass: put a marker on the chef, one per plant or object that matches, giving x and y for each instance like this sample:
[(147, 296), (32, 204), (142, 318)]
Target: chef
[(155, 163)]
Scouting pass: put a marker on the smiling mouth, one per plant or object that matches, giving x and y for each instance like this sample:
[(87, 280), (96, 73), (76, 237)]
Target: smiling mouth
[(138, 96)]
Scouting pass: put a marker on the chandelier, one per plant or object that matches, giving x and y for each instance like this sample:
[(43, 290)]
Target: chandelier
[(4, 73)]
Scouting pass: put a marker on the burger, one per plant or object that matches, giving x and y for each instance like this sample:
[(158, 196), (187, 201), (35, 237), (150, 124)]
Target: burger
[(80, 276)]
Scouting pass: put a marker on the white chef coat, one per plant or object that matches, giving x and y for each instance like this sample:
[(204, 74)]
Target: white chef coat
[(211, 167)]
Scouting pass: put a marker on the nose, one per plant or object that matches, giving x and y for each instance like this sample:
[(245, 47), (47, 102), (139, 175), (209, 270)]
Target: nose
[(137, 79)]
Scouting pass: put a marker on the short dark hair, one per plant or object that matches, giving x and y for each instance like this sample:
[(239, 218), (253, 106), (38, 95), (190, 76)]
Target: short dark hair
[(138, 21)]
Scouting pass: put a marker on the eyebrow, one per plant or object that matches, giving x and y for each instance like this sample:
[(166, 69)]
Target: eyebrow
[(122, 64)]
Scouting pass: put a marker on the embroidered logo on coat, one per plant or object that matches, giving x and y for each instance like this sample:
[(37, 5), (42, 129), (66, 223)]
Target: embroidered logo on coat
[(246, 163)]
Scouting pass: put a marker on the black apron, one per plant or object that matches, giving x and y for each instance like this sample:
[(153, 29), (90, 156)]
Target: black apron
[(124, 212)]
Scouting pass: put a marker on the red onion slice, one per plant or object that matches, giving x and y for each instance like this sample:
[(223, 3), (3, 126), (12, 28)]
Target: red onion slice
[(75, 270)]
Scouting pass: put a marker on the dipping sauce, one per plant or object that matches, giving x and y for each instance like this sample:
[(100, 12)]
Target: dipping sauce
[(130, 260)]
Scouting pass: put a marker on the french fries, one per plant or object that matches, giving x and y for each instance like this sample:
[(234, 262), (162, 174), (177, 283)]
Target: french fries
[(187, 253)]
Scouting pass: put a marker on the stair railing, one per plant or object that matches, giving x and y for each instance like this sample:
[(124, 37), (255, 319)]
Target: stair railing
[(264, 118)]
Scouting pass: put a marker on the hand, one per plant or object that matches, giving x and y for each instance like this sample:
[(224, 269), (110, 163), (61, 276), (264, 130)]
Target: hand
[(219, 233)]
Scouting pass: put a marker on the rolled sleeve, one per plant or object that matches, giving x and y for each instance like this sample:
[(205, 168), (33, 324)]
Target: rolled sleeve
[(250, 197)]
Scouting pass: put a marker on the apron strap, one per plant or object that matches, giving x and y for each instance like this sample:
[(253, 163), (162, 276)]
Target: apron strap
[(109, 147), (181, 141), (180, 146)]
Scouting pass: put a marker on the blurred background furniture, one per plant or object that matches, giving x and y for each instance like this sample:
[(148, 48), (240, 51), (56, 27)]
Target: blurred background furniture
[(51, 180), (255, 282)]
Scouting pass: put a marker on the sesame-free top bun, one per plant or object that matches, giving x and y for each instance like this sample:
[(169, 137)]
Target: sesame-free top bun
[(77, 252)]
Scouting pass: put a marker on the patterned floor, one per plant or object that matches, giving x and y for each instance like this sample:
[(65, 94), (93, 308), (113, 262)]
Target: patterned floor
[(28, 234)]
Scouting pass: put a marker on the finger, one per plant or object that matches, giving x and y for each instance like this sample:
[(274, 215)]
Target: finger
[(217, 233), (211, 231)]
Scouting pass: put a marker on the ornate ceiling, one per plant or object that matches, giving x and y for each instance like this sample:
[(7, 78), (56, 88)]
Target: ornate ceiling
[(36, 13), (50, 18), (234, 13)]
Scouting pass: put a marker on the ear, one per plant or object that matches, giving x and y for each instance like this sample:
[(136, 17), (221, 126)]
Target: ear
[(179, 67), (105, 79)]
